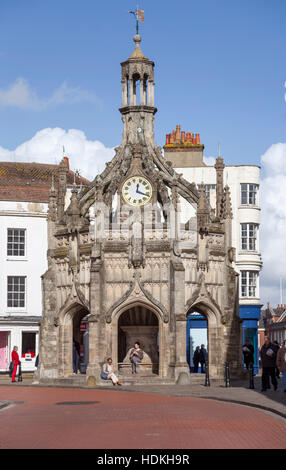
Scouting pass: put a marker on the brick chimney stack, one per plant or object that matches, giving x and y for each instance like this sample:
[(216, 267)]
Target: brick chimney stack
[(184, 149)]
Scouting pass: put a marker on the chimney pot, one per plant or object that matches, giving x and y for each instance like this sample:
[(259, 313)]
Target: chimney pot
[(67, 162), (178, 133)]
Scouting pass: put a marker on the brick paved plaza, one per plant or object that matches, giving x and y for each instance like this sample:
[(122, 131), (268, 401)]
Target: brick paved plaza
[(69, 418)]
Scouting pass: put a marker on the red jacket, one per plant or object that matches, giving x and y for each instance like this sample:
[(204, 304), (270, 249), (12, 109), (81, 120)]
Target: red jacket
[(15, 357)]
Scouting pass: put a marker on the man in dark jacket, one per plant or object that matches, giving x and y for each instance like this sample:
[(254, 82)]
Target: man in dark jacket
[(196, 359), (248, 353), (268, 360), (203, 358)]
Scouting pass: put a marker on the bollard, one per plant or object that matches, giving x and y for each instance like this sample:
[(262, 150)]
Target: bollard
[(251, 382), (227, 375), (20, 373), (207, 380)]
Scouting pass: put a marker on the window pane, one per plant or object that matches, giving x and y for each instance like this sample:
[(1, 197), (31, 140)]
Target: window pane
[(16, 288), (16, 242)]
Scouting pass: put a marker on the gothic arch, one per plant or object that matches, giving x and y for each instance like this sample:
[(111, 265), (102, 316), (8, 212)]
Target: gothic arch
[(123, 308), (215, 348), (143, 296), (67, 316), (209, 309)]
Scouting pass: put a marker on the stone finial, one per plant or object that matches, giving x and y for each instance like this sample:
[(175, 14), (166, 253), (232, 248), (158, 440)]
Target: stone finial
[(219, 166), (226, 207), (52, 208), (203, 211), (137, 53)]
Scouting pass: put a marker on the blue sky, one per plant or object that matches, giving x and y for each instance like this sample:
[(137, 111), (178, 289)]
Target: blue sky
[(220, 69)]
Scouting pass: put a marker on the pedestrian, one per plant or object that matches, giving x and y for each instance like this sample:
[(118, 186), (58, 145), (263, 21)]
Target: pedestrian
[(75, 356), (248, 353), (16, 362), (196, 359), (268, 360), (108, 374), (136, 356), (37, 361), (277, 371), (281, 363), (203, 358)]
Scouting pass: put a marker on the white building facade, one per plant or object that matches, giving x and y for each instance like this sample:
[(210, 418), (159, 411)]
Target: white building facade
[(186, 154), (23, 247), (24, 196)]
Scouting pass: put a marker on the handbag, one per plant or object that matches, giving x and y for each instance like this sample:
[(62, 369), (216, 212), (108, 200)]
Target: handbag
[(11, 368)]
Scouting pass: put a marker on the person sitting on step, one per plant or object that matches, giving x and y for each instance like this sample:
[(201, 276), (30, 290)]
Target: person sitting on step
[(108, 374), (136, 356)]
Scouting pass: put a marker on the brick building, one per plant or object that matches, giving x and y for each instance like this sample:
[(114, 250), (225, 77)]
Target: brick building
[(274, 321)]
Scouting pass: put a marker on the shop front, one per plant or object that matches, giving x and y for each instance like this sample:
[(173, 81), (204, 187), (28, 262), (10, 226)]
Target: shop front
[(250, 315)]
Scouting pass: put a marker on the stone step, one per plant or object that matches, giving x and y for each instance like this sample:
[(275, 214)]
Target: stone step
[(74, 380), (198, 379)]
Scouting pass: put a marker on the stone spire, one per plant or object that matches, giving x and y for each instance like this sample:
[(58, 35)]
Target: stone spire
[(52, 209), (226, 208), (137, 80), (63, 172), (203, 212), (137, 53), (219, 166)]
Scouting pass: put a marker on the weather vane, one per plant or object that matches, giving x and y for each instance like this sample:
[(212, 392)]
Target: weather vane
[(139, 16)]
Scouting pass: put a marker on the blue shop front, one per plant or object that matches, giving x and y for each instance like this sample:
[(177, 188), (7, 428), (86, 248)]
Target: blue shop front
[(197, 332), (250, 315)]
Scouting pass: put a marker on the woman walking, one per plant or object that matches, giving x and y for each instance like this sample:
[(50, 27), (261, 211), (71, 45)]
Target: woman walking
[(16, 361)]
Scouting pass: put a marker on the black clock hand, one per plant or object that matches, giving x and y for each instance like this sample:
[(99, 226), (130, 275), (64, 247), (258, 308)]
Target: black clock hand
[(139, 192)]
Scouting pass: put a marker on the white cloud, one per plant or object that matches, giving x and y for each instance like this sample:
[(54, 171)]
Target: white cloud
[(22, 96), (273, 224), (209, 161), (46, 146)]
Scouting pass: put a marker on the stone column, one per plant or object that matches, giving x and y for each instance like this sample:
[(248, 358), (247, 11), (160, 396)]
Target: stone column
[(93, 368), (124, 93), (151, 93), (94, 365), (142, 93), (182, 371)]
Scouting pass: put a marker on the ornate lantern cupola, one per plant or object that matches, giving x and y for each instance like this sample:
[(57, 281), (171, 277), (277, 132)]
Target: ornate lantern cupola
[(137, 109)]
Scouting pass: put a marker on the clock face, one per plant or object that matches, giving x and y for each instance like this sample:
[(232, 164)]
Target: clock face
[(137, 191)]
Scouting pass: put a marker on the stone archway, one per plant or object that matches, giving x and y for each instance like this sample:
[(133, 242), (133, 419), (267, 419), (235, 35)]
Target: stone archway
[(138, 322), (214, 336), (197, 335), (70, 330)]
